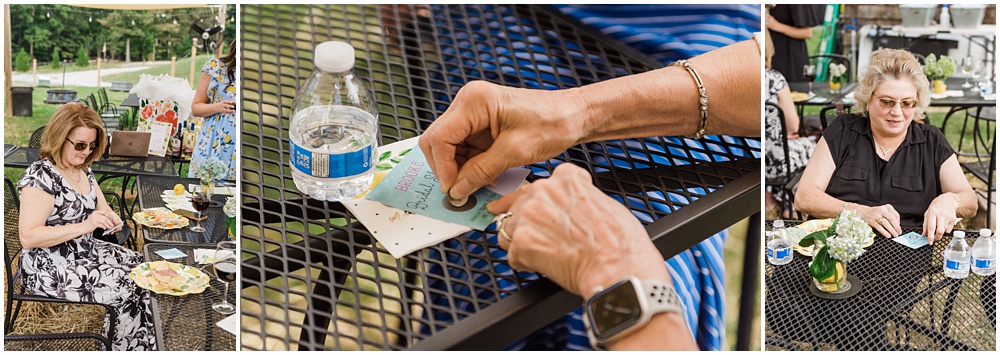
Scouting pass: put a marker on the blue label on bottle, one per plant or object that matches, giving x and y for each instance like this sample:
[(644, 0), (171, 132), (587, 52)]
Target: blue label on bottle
[(331, 165), (952, 264), (783, 253), (982, 263), (770, 252)]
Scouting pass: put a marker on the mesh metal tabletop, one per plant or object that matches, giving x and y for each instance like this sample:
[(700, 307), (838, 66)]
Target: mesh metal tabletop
[(906, 303), (188, 322), (151, 187), (313, 280), (22, 157)]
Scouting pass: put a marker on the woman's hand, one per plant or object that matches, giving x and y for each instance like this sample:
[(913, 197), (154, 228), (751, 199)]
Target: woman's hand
[(491, 128), (940, 216), (99, 219), (225, 106), (577, 236), (884, 219)]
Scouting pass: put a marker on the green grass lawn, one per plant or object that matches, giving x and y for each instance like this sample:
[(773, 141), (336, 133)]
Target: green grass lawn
[(182, 70)]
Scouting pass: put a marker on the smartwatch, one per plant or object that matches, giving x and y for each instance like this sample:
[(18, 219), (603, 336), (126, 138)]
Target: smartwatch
[(620, 309)]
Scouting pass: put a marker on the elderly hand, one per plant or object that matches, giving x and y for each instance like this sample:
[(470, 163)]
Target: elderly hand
[(940, 216), (577, 236), (100, 219), (490, 128), (884, 219)]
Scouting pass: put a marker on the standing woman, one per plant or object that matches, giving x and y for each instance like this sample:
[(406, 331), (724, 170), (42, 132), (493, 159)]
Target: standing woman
[(216, 101), (61, 206)]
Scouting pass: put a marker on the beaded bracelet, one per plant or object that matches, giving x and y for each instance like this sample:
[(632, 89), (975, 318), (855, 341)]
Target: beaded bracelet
[(703, 97)]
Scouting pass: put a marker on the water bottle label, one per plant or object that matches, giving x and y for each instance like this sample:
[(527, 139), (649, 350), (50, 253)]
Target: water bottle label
[(770, 252), (982, 263), (331, 165), (955, 265), (783, 253)]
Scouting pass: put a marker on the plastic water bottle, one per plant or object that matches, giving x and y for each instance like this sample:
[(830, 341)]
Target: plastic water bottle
[(779, 248), (334, 128), (957, 257), (984, 254), (945, 17)]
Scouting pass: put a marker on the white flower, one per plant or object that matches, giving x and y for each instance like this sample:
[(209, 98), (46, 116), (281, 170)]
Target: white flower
[(837, 70), (851, 234), (212, 169), (230, 207)]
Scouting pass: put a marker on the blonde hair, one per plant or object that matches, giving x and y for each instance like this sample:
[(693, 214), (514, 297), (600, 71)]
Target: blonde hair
[(896, 64), (768, 49), (67, 118)]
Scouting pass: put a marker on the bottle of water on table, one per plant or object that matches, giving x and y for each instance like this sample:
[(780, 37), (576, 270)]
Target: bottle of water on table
[(984, 254), (957, 257), (334, 128), (779, 248)]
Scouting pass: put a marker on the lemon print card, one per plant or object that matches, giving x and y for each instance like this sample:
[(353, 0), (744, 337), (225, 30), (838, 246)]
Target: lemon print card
[(400, 231)]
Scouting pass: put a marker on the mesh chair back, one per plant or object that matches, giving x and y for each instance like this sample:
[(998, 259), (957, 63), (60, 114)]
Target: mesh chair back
[(102, 96), (12, 241), (36, 138)]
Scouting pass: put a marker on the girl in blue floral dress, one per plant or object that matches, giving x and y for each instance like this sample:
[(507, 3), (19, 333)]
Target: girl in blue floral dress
[(216, 101)]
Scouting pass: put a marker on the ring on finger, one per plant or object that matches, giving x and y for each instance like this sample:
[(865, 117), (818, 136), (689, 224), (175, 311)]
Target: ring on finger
[(500, 230)]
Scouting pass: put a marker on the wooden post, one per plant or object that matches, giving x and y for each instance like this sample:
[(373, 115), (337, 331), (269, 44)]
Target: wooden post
[(34, 71), (128, 50), (98, 69), (9, 107), (194, 53), (173, 65), (222, 22)]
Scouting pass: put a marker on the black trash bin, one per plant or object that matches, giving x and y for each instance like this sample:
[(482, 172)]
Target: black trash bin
[(21, 97)]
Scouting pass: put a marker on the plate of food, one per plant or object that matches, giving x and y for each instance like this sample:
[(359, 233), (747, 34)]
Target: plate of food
[(801, 96), (169, 278), (160, 218)]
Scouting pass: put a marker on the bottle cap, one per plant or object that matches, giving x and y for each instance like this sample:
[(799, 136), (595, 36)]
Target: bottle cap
[(958, 234), (779, 224), (985, 232), (334, 56)]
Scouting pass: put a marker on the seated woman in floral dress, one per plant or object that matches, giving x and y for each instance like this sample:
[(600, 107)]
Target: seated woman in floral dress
[(61, 206)]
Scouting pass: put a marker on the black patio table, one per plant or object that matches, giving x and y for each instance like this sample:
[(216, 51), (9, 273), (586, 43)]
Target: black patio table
[(905, 303), (188, 322), (108, 166), (151, 188), (306, 265)]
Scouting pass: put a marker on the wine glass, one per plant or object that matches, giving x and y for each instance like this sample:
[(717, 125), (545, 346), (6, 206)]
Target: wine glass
[(809, 72), (225, 269), (200, 200), (966, 66)]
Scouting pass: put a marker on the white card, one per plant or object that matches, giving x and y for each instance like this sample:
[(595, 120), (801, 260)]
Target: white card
[(230, 324), (160, 135), (401, 232)]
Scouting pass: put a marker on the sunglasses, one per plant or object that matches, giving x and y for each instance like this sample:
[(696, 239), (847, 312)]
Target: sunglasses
[(81, 146), (904, 104)]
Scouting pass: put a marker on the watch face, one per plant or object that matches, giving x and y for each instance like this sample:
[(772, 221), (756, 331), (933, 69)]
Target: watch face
[(614, 310)]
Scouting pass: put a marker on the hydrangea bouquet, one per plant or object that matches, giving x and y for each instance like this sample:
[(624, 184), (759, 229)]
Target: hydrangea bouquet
[(230, 210), (838, 73), (843, 242), (212, 169)]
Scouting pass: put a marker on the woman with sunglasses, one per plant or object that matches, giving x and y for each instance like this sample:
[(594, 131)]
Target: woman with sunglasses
[(895, 172), (61, 206)]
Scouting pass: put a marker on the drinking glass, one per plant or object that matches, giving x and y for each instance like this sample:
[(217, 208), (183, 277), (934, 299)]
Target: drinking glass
[(809, 71), (200, 200), (225, 269), (966, 66)]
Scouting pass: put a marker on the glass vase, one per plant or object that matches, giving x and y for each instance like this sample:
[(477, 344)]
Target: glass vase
[(208, 187), (836, 283)]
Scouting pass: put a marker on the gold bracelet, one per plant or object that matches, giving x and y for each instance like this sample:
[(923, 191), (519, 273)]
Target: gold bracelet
[(702, 100)]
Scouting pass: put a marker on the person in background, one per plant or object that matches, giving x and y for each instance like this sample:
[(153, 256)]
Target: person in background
[(61, 206), (894, 171), (799, 148), (490, 128), (790, 27), (215, 100)]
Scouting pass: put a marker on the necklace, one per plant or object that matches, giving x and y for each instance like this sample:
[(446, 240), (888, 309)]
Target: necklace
[(77, 180), (885, 152)]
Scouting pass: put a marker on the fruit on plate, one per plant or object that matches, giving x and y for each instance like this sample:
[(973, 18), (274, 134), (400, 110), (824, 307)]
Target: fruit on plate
[(179, 189), (800, 96)]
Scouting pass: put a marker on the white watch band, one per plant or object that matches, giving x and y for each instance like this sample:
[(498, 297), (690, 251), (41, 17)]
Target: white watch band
[(653, 296)]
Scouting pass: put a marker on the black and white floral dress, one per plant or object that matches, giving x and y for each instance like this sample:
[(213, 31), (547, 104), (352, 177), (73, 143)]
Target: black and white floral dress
[(799, 149), (84, 268)]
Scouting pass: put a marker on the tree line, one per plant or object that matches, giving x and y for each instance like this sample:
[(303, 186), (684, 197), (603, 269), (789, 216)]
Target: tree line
[(52, 33)]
